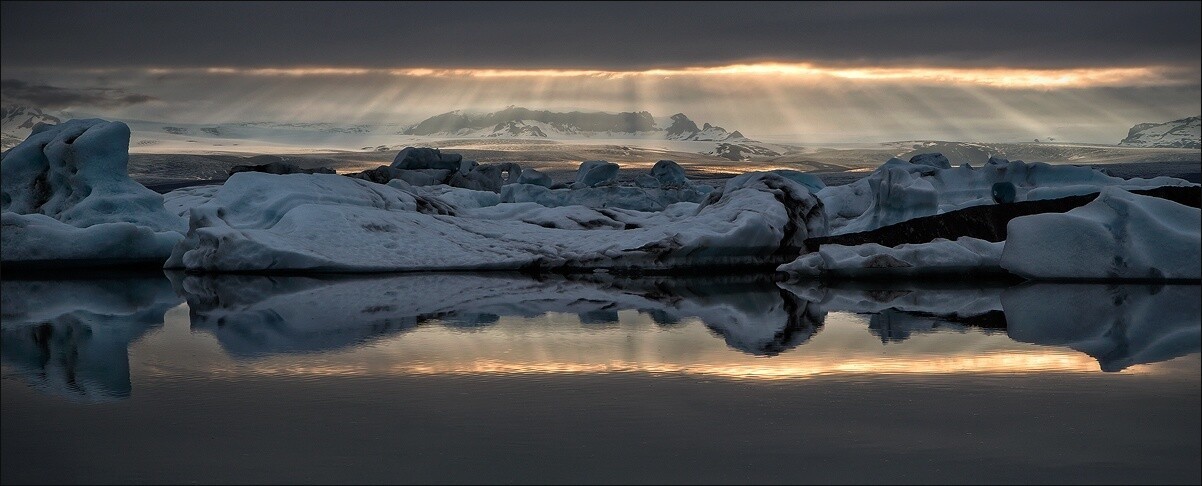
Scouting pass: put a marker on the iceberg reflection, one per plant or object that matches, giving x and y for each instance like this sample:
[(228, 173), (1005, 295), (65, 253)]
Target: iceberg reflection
[(1119, 325), (71, 337), (258, 315)]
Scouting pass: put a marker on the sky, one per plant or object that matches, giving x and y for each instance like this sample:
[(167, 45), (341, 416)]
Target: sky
[(800, 71)]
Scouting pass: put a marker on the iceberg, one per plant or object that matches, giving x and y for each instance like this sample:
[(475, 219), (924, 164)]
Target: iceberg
[(664, 186), (67, 197), (331, 223), (1119, 235), (927, 184)]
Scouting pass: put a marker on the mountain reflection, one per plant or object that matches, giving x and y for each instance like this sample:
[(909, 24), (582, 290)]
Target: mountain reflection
[(71, 337)]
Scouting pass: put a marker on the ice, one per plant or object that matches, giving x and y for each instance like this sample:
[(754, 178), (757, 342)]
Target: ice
[(899, 190), (964, 256), (623, 197), (534, 177), (1119, 235), (594, 173), (333, 223), (182, 200), (70, 338), (1119, 325), (410, 158), (665, 185), (67, 196)]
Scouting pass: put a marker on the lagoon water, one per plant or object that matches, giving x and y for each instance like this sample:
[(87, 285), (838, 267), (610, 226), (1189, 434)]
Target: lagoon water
[(146, 378)]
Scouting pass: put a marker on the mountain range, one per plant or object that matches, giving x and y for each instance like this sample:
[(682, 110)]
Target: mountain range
[(1183, 133), (517, 122)]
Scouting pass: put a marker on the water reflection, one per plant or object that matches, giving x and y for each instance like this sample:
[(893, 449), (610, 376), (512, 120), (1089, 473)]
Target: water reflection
[(70, 337), (256, 315), (1119, 325)]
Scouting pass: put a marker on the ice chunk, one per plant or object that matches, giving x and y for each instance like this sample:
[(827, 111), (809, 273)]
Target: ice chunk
[(332, 223), (669, 174), (926, 185), (624, 197), (534, 177), (426, 158), (67, 196), (593, 173), (964, 256), (1117, 236)]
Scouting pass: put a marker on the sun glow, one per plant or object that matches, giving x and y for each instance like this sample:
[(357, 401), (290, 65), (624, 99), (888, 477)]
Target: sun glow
[(997, 77)]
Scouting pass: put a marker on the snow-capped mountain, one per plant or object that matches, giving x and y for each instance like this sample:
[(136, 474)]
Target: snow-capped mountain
[(16, 121), (517, 122), (522, 122), (1183, 133), (682, 128)]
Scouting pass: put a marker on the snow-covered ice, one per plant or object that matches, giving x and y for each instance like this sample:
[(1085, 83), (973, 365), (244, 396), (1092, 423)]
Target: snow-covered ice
[(67, 196), (926, 185), (333, 223), (1119, 235)]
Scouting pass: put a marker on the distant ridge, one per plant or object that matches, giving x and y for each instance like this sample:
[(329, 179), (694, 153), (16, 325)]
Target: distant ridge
[(1183, 133), (526, 123)]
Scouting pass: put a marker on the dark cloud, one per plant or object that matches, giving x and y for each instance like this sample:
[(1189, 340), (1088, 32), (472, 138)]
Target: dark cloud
[(597, 35), (54, 97)]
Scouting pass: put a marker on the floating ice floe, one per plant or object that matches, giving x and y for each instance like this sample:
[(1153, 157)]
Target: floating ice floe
[(964, 256), (1119, 235), (333, 223), (899, 190), (67, 196)]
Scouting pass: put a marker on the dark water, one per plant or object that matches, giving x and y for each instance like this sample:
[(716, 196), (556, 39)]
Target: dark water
[(437, 378)]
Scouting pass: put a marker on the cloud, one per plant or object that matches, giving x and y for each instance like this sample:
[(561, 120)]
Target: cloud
[(55, 97), (598, 35)]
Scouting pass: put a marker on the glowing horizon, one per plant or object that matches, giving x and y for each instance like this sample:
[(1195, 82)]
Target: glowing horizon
[(994, 77)]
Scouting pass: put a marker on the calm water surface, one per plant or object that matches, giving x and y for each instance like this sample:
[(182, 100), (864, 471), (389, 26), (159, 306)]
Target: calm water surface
[(498, 378)]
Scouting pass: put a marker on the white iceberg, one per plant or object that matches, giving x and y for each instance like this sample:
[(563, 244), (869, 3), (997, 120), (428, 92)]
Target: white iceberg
[(66, 195), (303, 222), (926, 185), (1119, 235), (964, 256)]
